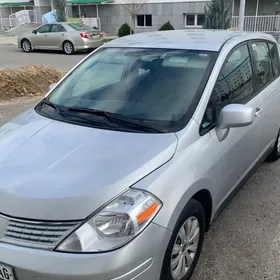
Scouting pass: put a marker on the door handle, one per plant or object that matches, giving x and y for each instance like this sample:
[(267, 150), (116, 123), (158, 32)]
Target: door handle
[(46, 35), (258, 112)]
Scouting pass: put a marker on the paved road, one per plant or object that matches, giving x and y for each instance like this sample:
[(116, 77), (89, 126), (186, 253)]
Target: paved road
[(11, 56), (244, 243)]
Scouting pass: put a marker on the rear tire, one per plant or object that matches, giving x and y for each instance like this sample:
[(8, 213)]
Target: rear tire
[(275, 154), (26, 45), (185, 245), (68, 48)]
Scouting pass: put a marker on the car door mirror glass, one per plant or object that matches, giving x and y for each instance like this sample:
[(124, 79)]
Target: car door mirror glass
[(34, 31)]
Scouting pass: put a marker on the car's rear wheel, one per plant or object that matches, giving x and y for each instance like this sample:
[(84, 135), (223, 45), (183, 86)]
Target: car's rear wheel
[(185, 245), (26, 45), (68, 48), (275, 154)]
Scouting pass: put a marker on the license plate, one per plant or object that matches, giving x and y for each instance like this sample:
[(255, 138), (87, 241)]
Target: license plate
[(6, 273)]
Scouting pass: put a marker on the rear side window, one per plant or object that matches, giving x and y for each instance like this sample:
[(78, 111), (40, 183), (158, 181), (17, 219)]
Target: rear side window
[(44, 29), (235, 82), (57, 28), (263, 63), (274, 55)]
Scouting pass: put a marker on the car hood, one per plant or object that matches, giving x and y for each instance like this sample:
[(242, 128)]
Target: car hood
[(51, 170)]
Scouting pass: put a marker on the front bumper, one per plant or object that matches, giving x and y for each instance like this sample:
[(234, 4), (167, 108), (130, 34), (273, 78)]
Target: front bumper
[(141, 259)]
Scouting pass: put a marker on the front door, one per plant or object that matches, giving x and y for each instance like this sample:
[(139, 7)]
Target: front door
[(40, 39), (239, 151)]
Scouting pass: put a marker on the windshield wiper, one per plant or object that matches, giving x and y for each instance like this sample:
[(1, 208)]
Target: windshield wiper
[(66, 112), (134, 122), (92, 112), (51, 104), (113, 117)]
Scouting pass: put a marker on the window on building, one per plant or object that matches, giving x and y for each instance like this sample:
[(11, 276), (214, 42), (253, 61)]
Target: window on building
[(235, 81), (262, 58), (144, 20), (194, 19)]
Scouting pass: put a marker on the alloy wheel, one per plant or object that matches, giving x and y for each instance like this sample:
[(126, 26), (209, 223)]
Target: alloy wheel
[(26, 46), (184, 249), (68, 48)]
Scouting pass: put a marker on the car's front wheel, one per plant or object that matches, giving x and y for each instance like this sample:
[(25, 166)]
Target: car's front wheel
[(185, 245), (26, 45)]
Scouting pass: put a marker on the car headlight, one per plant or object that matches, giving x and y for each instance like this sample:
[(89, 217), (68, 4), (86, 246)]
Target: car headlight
[(115, 225)]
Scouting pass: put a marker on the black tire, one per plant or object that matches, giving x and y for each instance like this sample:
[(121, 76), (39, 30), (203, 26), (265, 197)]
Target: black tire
[(68, 48), (192, 209), (275, 154), (26, 45)]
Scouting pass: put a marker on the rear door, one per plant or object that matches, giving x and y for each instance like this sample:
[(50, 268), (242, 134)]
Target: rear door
[(266, 59), (57, 36)]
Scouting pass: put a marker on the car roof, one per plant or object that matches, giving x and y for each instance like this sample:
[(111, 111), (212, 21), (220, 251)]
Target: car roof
[(208, 40)]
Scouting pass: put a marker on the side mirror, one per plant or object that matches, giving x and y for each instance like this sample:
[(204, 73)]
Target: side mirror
[(234, 115), (52, 86), (34, 31)]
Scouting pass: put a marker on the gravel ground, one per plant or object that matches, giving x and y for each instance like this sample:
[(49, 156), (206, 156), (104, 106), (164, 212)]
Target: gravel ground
[(244, 243)]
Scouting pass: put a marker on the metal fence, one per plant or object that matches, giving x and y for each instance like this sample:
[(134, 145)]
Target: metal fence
[(18, 18), (258, 23)]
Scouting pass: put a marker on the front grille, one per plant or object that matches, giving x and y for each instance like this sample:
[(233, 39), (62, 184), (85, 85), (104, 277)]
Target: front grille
[(44, 235)]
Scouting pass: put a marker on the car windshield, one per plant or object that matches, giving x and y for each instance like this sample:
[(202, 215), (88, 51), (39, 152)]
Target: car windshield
[(158, 86), (79, 26)]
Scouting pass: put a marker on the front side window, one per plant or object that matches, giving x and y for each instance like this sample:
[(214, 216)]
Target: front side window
[(263, 62), (157, 86), (235, 81)]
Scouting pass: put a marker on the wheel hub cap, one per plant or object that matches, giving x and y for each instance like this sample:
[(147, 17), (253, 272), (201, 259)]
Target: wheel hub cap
[(26, 46), (184, 249), (68, 48)]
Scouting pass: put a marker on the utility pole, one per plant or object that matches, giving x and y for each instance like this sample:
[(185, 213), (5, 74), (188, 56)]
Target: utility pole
[(241, 14)]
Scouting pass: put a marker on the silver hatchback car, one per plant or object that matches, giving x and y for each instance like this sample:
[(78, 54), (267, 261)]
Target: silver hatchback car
[(120, 170)]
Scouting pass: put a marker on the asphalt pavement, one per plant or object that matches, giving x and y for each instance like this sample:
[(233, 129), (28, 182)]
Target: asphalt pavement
[(12, 57), (244, 243)]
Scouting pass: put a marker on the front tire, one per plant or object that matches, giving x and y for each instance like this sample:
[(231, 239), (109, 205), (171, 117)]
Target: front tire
[(26, 45), (68, 48), (275, 154), (185, 245)]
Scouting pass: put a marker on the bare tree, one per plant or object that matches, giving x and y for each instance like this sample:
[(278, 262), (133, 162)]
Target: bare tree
[(133, 7)]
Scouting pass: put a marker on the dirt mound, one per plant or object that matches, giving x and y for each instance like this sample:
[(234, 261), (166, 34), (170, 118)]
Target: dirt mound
[(26, 81)]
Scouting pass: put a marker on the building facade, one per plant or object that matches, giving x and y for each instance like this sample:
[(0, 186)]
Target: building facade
[(260, 15)]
